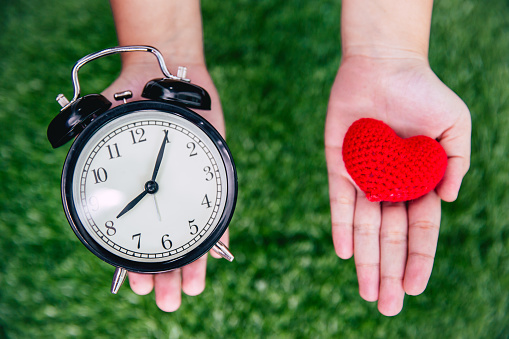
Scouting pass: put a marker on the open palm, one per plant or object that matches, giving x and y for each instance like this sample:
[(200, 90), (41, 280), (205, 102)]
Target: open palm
[(393, 243)]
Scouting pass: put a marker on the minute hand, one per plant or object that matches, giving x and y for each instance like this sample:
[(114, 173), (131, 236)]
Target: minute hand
[(160, 156)]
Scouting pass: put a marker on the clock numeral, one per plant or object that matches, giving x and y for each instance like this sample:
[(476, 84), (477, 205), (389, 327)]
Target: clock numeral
[(138, 235), (209, 173), (114, 153), (193, 229), (166, 241), (93, 202), (140, 132), (192, 146), (100, 175), (110, 229), (206, 201)]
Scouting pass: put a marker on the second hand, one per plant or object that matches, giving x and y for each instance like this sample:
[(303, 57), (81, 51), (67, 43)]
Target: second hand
[(157, 208)]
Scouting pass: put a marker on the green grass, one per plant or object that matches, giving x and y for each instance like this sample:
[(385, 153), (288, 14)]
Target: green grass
[(273, 63)]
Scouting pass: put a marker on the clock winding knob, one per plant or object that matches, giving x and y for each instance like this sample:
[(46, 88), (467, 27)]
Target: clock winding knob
[(62, 100), (123, 96)]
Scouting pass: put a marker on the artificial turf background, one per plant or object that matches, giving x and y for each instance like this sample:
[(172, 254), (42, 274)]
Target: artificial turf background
[(273, 63)]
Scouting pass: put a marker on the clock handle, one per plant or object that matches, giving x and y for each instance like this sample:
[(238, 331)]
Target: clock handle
[(223, 251), (118, 279), (115, 50)]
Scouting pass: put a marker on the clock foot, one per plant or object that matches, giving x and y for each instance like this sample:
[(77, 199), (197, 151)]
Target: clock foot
[(118, 279), (223, 251)]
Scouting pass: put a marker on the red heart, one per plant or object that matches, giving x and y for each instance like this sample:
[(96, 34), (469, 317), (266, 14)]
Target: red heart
[(389, 168)]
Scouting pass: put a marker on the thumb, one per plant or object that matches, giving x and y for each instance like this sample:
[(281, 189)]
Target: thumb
[(456, 143)]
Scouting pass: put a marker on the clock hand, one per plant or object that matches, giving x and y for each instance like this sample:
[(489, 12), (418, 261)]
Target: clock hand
[(157, 208), (132, 203), (151, 187), (160, 155)]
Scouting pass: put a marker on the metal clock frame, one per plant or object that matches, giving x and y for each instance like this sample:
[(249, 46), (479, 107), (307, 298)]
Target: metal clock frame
[(94, 246)]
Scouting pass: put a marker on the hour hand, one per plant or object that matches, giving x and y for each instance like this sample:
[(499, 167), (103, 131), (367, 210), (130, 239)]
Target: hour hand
[(132, 203)]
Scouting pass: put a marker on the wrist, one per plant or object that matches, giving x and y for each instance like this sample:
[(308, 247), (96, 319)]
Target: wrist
[(386, 28), (173, 27), (175, 54), (148, 63), (374, 68)]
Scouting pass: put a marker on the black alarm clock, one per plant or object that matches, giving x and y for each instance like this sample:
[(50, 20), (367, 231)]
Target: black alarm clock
[(147, 186)]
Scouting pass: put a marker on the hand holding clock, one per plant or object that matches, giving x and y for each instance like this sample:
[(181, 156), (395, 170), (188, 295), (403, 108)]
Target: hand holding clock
[(180, 46), (191, 278)]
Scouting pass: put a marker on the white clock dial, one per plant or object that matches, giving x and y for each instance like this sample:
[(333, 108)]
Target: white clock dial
[(113, 169)]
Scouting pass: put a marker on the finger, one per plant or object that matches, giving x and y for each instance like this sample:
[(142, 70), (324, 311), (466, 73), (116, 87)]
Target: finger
[(367, 247), (342, 204), (193, 276), (423, 229), (342, 201), (449, 187), (393, 255), (225, 239), (456, 143), (141, 283), (167, 288)]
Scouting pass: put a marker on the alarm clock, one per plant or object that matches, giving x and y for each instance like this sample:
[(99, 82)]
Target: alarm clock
[(148, 186)]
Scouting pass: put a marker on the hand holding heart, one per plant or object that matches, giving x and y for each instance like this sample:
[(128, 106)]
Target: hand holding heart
[(393, 243)]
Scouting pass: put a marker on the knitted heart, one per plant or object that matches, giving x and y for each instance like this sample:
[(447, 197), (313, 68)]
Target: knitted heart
[(389, 168)]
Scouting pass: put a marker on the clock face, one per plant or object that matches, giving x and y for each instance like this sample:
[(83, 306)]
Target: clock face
[(149, 191)]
